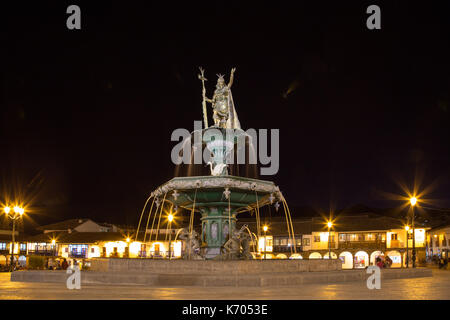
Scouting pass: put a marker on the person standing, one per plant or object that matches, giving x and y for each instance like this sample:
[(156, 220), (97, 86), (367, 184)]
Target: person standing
[(64, 264), (50, 264)]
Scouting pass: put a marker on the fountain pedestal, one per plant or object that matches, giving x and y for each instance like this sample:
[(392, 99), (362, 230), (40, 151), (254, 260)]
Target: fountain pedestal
[(216, 226)]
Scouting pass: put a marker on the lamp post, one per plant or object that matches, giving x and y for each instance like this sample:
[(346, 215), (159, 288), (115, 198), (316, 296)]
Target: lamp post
[(15, 214), (170, 218), (413, 202), (407, 246), (54, 247), (265, 240), (128, 243), (329, 225)]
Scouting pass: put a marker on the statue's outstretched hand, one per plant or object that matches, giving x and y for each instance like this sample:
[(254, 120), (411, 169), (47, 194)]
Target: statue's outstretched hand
[(233, 70)]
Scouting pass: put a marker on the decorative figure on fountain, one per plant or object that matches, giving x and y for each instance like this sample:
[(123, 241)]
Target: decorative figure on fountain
[(224, 111), (192, 245), (219, 169), (232, 247), (237, 247), (245, 244)]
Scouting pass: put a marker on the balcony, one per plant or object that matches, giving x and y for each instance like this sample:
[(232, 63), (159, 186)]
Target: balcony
[(77, 255), (41, 252), (397, 244), (286, 248), (362, 244)]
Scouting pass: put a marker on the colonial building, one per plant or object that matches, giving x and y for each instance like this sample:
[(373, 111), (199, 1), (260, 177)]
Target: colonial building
[(355, 239), (438, 241), (85, 239), (20, 247)]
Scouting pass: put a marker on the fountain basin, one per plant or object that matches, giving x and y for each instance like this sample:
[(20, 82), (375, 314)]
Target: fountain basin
[(219, 199), (208, 191)]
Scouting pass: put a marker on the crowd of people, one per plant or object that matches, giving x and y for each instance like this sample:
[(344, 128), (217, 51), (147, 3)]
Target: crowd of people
[(56, 264), (383, 262)]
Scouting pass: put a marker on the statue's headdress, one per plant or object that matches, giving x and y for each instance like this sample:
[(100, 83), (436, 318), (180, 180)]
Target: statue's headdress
[(220, 76)]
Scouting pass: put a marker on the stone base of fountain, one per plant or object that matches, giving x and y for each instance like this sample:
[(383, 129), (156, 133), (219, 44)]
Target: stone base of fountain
[(178, 273), (229, 267)]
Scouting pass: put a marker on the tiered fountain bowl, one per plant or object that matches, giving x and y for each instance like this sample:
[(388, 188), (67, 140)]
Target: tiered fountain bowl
[(219, 199)]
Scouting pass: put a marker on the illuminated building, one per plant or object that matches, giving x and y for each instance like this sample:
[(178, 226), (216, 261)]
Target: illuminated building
[(357, 240), (438, 242)]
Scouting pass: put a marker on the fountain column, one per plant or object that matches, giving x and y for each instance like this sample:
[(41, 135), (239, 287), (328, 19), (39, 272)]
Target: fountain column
[(215, 229)]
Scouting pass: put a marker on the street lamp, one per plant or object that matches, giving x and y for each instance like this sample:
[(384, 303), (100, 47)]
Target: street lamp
[(265, 240), (329, 225), (16, 213), (170, 218), (407, 246), (413, 202), (126, 254), (54, 247)]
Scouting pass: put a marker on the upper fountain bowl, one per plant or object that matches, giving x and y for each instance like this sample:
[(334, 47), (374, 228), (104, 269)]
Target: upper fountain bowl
[(240, 193)]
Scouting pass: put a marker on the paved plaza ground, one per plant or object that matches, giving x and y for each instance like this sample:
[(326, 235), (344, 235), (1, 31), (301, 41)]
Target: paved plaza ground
[(436, 287)]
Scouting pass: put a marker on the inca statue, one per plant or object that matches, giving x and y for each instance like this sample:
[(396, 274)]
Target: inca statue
[(224, 112)]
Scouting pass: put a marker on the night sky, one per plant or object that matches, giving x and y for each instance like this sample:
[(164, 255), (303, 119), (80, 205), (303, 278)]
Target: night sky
[(87, 115)]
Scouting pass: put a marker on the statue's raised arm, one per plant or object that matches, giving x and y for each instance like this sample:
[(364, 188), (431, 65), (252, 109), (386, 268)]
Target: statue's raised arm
[(231, 78)]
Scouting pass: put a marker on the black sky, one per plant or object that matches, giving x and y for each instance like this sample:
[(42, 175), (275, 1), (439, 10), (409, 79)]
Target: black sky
[(87, 114)]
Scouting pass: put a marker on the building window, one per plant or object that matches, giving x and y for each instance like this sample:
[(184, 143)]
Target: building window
[(306, 241), (78, 250), (360, 237), (331, 238), (283, 242), (394, 236), (276, 242), (2, 246), (342, 237), (23, 247), (316, 238), (299, 242)]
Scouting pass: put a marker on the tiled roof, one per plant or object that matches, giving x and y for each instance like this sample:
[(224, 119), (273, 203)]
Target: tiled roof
[(366, 222), (78, 237), (63, 225), (278, 227)]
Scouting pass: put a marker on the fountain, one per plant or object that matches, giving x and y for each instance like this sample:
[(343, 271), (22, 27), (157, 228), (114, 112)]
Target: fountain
[(220, 196)]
